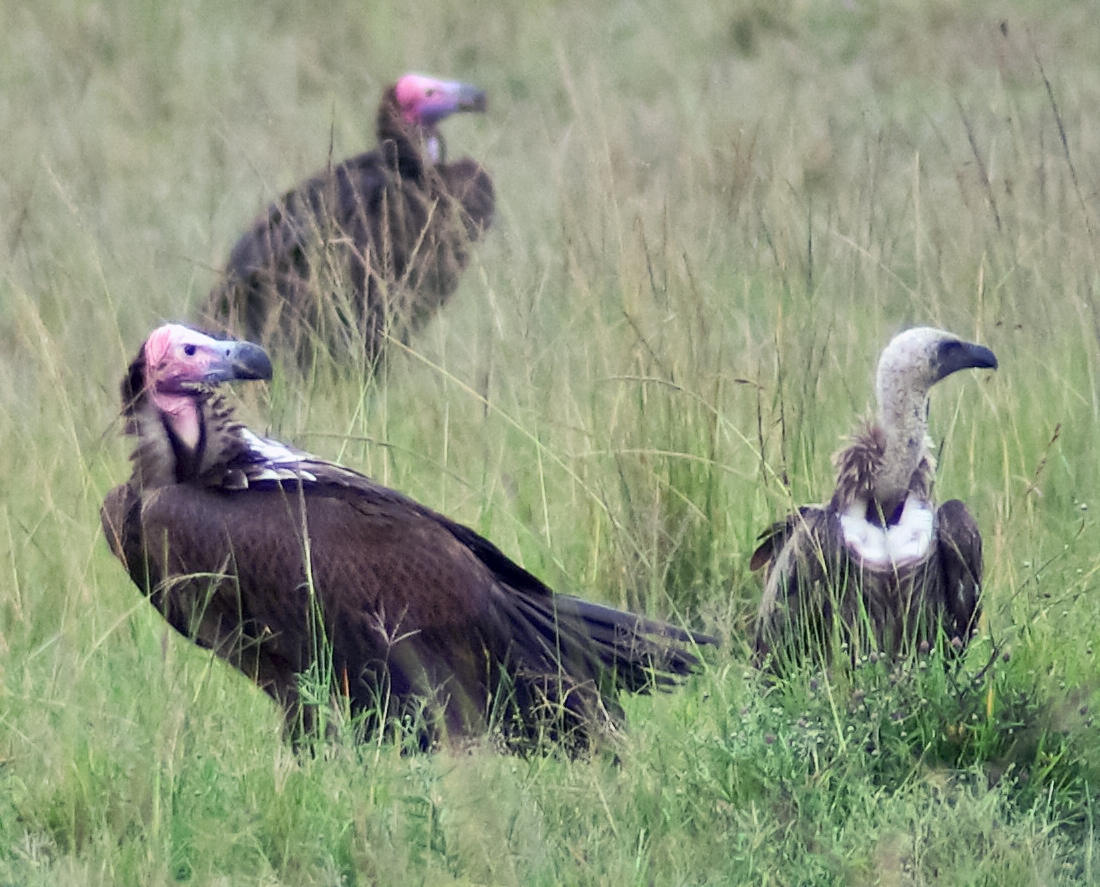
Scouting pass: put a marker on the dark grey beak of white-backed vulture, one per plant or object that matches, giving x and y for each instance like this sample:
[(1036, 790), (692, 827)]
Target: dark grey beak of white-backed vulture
[(880, 566), (366, 248), (285, 564)]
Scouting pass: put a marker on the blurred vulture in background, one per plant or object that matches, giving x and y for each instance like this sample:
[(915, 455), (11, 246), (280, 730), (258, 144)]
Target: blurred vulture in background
[(286, 565), (880, 566), (371, 246)]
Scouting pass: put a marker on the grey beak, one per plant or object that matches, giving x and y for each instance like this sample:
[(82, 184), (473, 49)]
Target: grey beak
[(470, 98), (954, 355), (242, 360)]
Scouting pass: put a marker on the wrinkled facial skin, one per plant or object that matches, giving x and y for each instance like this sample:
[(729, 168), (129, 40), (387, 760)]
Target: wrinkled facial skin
[(178, 358), (425, 101), (178, 361)]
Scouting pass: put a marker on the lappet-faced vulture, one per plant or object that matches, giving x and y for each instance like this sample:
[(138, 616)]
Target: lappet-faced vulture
[(370, 247), (287, 565), (880, 566)]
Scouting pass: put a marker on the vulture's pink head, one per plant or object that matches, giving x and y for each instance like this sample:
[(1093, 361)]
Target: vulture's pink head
[(177, 362), (425, 101), (178, 359)]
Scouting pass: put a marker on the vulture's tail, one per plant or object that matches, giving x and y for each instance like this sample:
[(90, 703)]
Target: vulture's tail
[(600, 643)]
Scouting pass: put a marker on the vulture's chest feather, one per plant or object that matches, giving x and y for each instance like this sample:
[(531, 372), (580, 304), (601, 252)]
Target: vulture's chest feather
[(903, 540)]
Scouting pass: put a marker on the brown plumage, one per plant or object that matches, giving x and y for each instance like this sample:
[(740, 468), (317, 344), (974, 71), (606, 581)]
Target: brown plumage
[(878, 567), (372, 246), (285, 564)]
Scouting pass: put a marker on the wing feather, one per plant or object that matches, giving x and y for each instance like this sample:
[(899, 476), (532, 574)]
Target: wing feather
[(802, 561), (960, 547), (269, 574), (365, 244)]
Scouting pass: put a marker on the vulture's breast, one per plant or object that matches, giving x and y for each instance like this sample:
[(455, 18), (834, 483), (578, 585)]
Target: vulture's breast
[(892, 546)]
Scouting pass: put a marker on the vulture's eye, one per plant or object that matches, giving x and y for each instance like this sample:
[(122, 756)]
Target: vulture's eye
[(429, 92), (189, 350)]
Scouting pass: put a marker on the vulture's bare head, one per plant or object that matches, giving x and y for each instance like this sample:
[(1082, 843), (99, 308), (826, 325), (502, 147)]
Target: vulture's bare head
[(422, 102), (425, 101), (176, 368), (917, 359)]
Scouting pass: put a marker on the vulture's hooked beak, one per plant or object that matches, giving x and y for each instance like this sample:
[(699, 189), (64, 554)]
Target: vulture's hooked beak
[(238, 361), (469, 98), (446, 97), (954, 355)]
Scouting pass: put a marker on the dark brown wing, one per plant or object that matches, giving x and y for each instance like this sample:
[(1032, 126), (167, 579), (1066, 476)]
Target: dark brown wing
[(640, 651), (403, 601), (354, 252), (198, 601), (771, 540), (803, 563), (467, 183), (321, 207), (960, 547), (313, 242)]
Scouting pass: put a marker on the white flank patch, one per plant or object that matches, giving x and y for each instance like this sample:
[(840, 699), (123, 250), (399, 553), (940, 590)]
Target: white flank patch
[(434, 149), (900, 545)]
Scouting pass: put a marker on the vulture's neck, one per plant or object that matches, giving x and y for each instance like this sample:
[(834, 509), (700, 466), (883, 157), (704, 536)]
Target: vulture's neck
[(903, 420), (884, 485), (886, 461), (405, 146), (179, 442)]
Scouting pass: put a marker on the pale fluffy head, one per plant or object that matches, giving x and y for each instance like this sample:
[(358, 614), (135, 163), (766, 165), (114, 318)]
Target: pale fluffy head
[(918, 358), (910, 365)]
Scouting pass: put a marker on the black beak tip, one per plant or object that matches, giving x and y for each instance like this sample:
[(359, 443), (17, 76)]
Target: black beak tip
[(472, 99), (985, 359), (251, 362), (953, 355)]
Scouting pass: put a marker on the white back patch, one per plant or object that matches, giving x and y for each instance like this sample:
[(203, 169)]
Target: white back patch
[(279, 461), (900, 545), (270, 450)]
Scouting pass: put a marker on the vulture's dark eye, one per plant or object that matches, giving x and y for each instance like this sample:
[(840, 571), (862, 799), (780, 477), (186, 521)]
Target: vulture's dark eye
[(429, 92), (189, 350)]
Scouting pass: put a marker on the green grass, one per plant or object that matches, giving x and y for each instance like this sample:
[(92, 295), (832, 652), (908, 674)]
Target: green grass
[(711, 218)]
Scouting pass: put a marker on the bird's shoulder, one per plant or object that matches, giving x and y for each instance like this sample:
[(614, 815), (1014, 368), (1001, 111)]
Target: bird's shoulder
[(296, 213), (957, 529), (249, 461), (260, 469), (805, 521)]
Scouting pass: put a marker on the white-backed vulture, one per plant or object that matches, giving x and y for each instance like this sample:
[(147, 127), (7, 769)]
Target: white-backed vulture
[(285, 565), (371, 246), (880, 566)]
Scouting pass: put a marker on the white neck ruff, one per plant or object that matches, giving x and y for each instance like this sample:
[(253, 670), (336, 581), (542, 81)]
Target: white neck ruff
[(893, 546)]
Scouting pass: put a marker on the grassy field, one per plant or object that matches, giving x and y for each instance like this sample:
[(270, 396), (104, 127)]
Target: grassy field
[(711, 219)]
